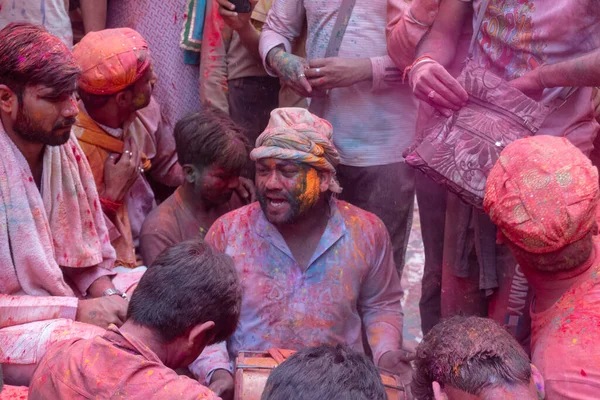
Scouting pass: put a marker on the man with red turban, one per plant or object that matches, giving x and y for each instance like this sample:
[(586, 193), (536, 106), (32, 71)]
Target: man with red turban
[(121, 132), (543, 196)]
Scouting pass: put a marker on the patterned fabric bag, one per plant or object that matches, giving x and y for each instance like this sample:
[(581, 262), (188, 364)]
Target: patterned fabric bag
[(460, 151)]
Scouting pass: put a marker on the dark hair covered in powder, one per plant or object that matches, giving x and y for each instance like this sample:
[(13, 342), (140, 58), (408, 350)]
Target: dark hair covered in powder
[(30, 55), (325, 372), (210, 136), (188, 284), (471, 354)]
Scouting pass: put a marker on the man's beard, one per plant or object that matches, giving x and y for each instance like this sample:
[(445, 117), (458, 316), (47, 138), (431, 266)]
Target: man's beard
[(29, 130), (295, 208)]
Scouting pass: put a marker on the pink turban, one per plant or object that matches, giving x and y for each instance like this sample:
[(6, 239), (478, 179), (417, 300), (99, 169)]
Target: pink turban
[(542, 193), (111, 60), (296, 134)]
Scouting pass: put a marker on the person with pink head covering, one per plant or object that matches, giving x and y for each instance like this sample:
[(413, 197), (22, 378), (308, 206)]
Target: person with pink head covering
[(543, 196), (314, 269)]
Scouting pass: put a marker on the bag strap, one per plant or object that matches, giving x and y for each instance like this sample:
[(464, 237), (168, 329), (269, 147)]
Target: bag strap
[(339, 28), (318, 104), (480, 17)]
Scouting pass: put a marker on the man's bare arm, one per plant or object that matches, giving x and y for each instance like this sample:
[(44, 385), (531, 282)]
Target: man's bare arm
[(579, 72), (441, 41), (93, 13)]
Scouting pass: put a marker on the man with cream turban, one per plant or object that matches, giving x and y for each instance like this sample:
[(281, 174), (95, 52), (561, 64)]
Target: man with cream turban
[(543, 196), (121, 132), (314, 269)]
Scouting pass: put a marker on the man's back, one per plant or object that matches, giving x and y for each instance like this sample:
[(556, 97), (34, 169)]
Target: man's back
[(564, 338), (110, 366)]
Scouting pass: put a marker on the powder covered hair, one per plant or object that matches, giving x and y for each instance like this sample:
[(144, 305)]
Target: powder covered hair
[(471, 354), (30, 55)]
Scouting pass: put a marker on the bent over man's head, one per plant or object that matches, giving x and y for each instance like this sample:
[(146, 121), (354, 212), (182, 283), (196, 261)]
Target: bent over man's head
[(188, 285)]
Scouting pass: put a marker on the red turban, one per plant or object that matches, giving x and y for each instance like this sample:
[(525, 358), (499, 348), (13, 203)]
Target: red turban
[(542, 193), (111, 60)]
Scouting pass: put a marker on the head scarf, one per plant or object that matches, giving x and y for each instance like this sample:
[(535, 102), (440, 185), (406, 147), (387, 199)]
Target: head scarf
[(542, 194), (111, 60), (296, 134)]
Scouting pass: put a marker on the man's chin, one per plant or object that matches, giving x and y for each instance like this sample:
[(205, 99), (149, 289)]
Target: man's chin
[(58, 140)]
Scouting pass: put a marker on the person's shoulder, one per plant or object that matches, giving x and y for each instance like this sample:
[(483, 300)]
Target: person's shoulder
[(65, 353), (162, 217), (359, 219), (240, 217)]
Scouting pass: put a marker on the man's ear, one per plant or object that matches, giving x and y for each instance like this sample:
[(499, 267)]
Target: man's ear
[(324, 179), (124, 98), (202, 335), (190, 173), (8, 99), (438, 393)]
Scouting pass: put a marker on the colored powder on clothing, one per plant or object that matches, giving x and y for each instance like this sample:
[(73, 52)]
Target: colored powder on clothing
[(311, 191)]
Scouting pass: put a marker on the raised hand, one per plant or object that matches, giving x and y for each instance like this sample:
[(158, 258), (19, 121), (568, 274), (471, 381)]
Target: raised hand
[(235, 20), (120, 173), (434, 85), (291, 69)]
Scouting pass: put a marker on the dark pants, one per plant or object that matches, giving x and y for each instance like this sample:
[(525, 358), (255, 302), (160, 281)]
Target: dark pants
[(251, 101), (387, 191), (432, 212)]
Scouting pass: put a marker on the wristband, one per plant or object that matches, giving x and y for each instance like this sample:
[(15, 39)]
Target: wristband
[(114, 292), (108, 205), (416, 21), (420, 60)]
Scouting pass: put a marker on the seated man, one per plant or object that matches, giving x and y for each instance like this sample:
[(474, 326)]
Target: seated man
[(212, 151), (473, 358), (543, 196), (189, 298), (325, 372), (314, 269), (55, 255), (121, 132)]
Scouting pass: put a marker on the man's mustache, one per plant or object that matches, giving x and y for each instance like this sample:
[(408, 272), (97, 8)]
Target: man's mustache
[(67, 123)]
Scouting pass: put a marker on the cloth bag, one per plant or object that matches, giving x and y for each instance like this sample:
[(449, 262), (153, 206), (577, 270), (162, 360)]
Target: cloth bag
[(459, 152)]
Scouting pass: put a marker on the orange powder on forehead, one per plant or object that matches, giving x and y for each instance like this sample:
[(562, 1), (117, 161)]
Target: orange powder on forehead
[(311, 192)]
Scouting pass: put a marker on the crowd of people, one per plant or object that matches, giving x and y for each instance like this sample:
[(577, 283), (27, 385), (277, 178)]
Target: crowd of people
[(166, 210)]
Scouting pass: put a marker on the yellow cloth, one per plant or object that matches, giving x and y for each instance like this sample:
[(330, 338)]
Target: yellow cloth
[(97, 146)]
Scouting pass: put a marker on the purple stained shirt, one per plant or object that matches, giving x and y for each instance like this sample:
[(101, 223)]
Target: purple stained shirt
[(351, 273)]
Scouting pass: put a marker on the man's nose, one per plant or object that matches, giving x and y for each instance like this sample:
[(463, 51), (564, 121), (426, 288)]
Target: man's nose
[(273, 181), (70, 109)]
